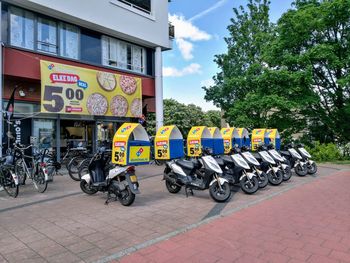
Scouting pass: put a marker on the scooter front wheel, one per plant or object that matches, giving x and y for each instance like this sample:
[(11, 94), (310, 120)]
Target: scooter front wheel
[(172, 188), (85, 187), (263, 180), (301, 170), (312, 168), (249, 186), (287, 173), (275, 178), (220, 195), (127, 197)]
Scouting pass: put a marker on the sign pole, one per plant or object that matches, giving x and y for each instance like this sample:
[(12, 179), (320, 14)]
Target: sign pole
[(1, 87)]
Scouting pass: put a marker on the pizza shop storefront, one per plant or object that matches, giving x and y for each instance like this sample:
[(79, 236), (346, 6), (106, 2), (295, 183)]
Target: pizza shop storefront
[(72, 105), (52, 130)]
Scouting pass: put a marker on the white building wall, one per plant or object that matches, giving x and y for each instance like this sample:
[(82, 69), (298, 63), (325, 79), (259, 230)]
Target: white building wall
[(110, 17)]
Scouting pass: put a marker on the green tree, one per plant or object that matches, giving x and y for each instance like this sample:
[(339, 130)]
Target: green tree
[(312, 45), (245, 89), (184, 117), (293, 76)]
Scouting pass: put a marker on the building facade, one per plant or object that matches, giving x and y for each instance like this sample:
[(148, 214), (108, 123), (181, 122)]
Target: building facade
[(124, 38)]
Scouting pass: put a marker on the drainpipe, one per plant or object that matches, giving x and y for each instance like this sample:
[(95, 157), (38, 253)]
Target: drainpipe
[(159, 87)]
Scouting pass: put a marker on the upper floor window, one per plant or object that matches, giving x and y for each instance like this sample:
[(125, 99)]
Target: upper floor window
[(142, 5), (123, 55), (47, 35), (21, 28), (69, 40)]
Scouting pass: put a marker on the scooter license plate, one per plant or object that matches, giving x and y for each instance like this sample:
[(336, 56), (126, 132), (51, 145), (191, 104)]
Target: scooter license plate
[(133, 178)]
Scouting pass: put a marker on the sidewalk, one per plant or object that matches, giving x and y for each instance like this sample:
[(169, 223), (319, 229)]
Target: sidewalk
[(310, 223), (66, 225)]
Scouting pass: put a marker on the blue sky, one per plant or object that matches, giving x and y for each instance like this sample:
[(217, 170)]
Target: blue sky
[(200, 29)]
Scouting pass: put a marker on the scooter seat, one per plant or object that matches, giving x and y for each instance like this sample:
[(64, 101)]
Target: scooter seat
[(285, 153), (220, 161), (188, 165), (227, 159)]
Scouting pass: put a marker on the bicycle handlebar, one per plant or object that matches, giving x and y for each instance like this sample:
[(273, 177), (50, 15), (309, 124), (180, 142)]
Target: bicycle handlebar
[(21, 146)]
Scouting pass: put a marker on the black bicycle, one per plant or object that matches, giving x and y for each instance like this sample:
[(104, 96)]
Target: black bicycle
[(8, 179)]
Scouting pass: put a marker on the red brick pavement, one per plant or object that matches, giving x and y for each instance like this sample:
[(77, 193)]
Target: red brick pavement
[(310, 223)]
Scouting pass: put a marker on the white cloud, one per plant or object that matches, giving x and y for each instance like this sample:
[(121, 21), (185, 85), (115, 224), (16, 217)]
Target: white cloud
[(207, 83), (185, 47), (185, 34), (193, 68), (185, 29), (208, 10)]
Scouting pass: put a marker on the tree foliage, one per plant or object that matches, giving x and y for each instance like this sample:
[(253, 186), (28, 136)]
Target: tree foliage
[(294, 75), (184, 117)]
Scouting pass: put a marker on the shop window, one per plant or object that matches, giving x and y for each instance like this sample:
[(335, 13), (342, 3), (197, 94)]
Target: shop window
[(69, 40), (47, 35), (21, 28), (44, 131), (119, 54)]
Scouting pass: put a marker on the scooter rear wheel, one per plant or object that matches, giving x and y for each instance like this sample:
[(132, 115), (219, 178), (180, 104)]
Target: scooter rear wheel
[(217, 195), (85, 187), (127, 197), (172, 188)]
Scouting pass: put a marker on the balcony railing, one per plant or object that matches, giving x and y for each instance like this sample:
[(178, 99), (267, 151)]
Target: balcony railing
[(171, 31)]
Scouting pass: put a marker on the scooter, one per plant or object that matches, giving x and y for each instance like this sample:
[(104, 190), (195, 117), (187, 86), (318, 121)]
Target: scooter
[(282, 162), (118, 181), (269, 166), (197, 174), (255, 166), (237, 171), (311, 165), (296, 160)]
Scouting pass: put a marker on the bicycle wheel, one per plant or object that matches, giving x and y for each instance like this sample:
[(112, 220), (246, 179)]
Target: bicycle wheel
[(39, 181), (20, 172), (83, 167), (73, 168), (8, 183)]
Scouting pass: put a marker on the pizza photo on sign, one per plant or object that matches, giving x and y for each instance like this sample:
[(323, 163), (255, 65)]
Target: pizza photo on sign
[(97, 104), (119, 106), (136, 108), (107, 81), (128, 85)]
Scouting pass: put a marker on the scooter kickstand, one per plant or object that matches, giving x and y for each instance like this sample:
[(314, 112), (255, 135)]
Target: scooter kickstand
[(190, 190), (108, 197)]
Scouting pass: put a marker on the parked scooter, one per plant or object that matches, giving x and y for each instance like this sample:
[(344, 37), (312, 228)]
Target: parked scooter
[(197, 174), (237, 171), (311, 165), (296, 160), (255, 166), (269, 166), (118, 181), (282, 162)]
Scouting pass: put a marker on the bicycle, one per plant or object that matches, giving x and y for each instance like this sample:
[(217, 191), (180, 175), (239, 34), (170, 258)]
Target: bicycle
[(36, 171), (8, 178), (71, 159)]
